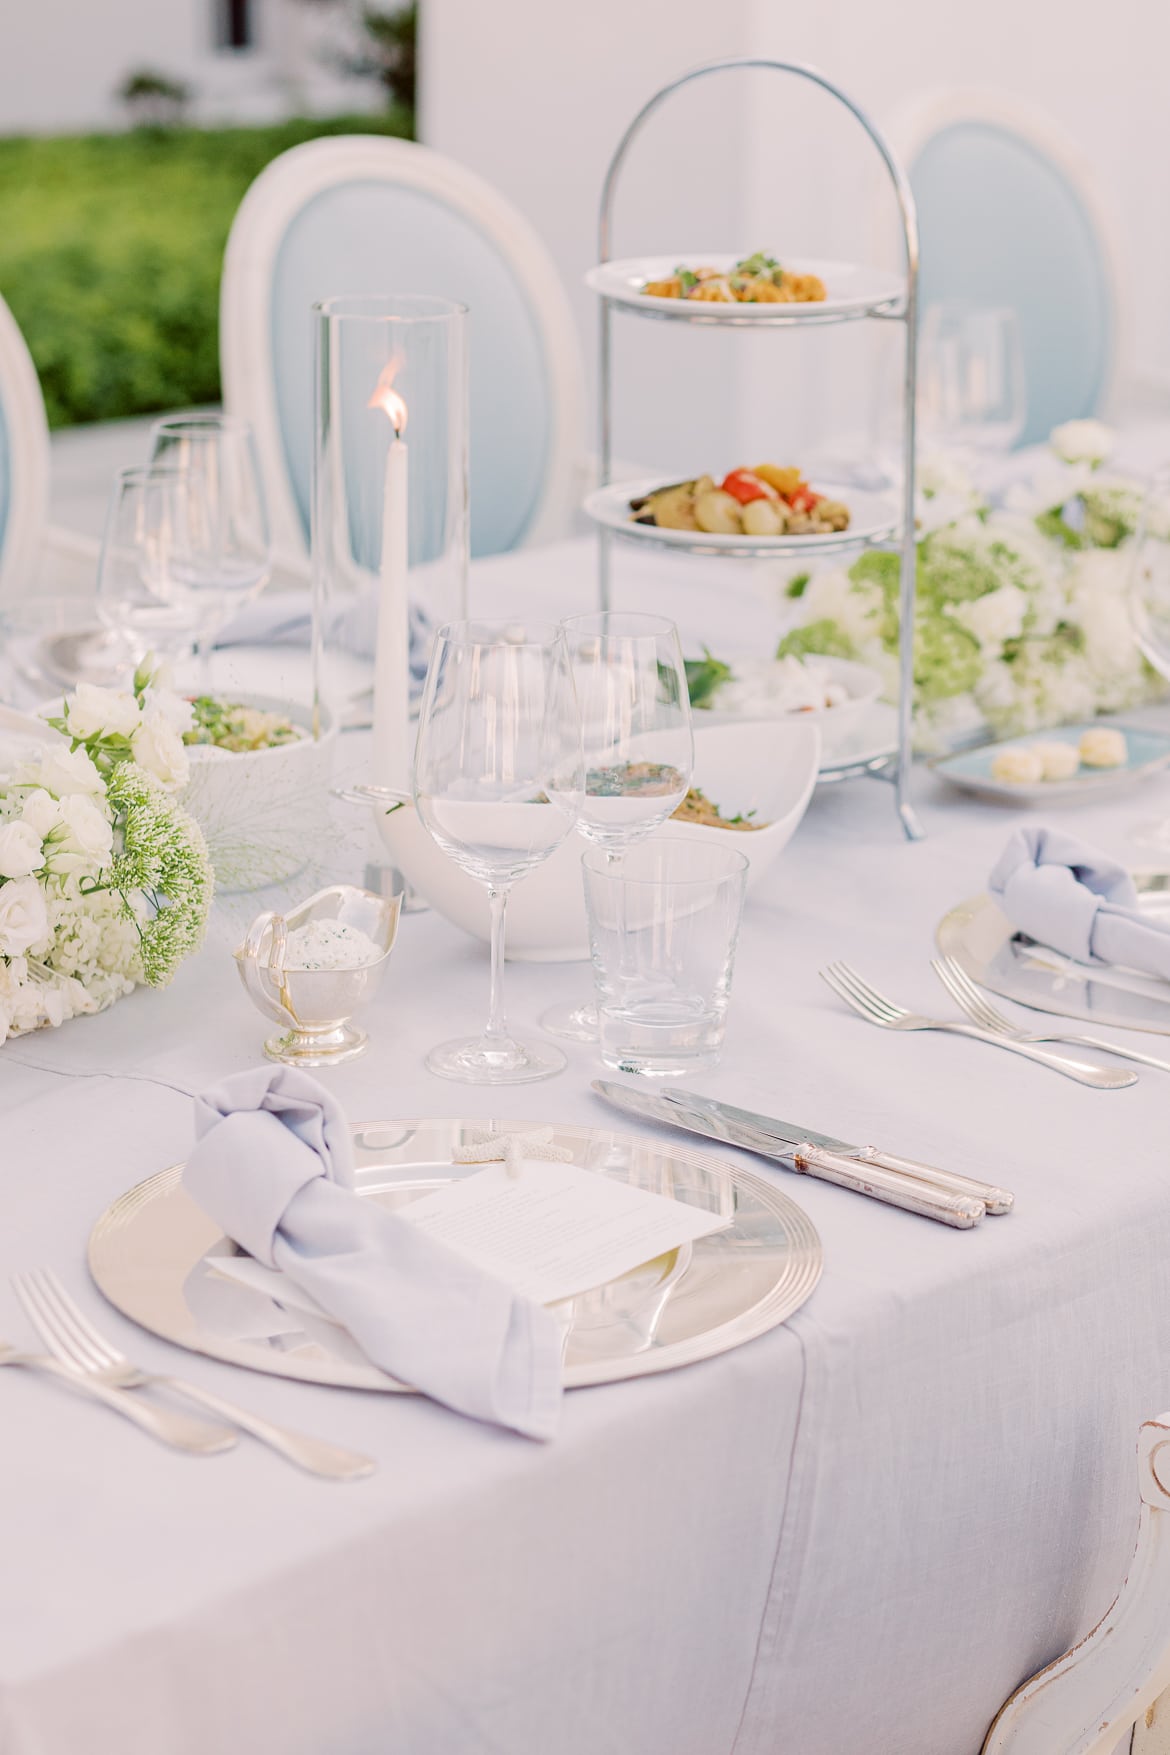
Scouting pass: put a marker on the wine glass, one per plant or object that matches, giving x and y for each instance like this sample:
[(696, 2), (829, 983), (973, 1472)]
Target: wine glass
[(972, 393), (221, 552), (135, 599), (498, 781), (638, 742)]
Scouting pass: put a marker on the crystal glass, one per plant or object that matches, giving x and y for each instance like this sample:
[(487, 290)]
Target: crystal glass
[(663, 927), (221, 555), (972, 393), (136, 595), (389, 505), (638, 742), (497, 783)]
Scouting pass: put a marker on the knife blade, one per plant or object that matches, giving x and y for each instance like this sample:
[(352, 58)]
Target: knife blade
[(939, 1194)]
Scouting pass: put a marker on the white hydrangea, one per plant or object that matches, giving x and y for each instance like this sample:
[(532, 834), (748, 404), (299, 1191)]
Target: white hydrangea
[(996, 617), (855, 607), (1083, 441)]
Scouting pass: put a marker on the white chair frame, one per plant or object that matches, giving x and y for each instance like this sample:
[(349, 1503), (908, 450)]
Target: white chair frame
[(26, 526), (915, 126), (1116, 1680), (273, 201)]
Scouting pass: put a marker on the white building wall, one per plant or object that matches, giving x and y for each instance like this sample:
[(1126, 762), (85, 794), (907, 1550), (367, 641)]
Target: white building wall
[(534, 94)]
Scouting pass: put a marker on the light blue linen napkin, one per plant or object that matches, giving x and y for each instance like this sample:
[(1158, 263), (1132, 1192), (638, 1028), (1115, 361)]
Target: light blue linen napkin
[(1077, 900), (273, 1165)]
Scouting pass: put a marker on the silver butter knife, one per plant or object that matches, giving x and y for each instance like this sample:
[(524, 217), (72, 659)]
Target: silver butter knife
[(955, 1200)]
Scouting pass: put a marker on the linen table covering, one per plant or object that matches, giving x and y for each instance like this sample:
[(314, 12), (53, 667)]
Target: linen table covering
[(858, 1532)]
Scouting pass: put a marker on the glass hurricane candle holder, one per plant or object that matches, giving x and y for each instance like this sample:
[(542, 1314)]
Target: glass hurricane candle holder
[(389, 506)]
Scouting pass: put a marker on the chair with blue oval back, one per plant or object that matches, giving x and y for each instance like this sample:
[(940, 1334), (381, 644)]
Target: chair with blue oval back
[(24, 464), (363, 214), (1007, 217)]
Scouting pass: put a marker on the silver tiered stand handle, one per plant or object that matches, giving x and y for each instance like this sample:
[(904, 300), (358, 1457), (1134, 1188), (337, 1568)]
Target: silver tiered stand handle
[(906, 313)]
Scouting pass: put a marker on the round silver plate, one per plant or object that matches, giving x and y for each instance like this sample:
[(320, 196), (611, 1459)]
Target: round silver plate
[(982, 940), (153, 1254)]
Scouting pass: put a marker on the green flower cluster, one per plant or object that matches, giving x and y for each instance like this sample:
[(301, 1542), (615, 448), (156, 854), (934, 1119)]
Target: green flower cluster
[(162, 860)]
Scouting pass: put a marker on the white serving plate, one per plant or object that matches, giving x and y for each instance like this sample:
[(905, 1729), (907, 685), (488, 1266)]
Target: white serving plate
[(873, 518), (838, 725), (852, 289), (868, 746), (153, 1254), (767, 766)]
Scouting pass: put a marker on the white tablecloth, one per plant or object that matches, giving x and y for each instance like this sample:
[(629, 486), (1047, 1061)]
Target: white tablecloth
[(858, 1532)]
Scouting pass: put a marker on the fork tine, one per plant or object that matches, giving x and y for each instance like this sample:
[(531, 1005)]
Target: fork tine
[(857, 998), (65, 1316), (56, 1333), (82, 1326), (964, 992), (831, 979), (869, 996)]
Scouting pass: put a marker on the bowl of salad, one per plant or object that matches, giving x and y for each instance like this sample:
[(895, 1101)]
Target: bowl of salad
[(832, 693), (259, 785)]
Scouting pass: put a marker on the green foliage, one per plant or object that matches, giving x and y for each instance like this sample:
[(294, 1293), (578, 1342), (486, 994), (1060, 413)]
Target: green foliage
[(704, 676), (390, 51), (110, 254), (822, 637)]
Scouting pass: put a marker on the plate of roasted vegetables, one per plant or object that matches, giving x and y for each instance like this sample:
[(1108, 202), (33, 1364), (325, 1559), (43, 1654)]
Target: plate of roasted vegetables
[(766, 509), (715, 288)]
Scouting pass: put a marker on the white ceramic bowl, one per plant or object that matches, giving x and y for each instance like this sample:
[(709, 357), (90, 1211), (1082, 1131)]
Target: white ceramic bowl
[(768, 767), (837, 724), (264, 812)]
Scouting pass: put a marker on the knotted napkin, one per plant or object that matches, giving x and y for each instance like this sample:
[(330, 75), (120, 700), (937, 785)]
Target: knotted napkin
[(1077, 900), (273, 1165)]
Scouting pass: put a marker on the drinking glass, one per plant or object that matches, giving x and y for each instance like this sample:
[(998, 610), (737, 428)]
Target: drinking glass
[(135, 595), (972, 394), (638, 743), (497, 783), (663, 927), (221, 554)]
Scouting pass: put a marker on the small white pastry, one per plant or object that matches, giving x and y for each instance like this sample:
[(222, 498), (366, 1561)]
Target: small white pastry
[(1019, 766), (1060, 760), (1104, 747)]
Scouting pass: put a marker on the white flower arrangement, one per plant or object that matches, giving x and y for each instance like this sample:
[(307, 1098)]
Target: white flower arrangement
[(104, 879), (1021, 616)]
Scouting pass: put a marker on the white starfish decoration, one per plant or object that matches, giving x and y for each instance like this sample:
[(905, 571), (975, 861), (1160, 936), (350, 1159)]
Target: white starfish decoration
[(512, 1149)]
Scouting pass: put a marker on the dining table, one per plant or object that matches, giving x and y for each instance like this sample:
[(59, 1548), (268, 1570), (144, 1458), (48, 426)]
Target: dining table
[(859, 1531)]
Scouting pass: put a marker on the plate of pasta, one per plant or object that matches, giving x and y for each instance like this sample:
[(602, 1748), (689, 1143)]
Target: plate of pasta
[(717, 288)]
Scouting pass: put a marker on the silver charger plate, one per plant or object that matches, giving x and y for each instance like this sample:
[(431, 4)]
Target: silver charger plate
[(984, 942), (153, 1254)]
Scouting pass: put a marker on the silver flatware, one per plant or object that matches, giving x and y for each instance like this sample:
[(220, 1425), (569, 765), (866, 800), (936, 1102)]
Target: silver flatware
[(980, 1010), (196, 1437), (875, 1008), (901, 1182), (72, 1338)]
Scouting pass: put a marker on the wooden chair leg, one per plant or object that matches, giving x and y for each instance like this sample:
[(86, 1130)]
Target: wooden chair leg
[(1084, 1702)]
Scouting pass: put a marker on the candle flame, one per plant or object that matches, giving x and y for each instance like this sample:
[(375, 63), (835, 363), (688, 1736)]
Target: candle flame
[(387, 398)]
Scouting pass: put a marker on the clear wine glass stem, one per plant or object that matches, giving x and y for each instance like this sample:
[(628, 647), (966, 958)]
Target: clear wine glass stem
[(497, 1024)]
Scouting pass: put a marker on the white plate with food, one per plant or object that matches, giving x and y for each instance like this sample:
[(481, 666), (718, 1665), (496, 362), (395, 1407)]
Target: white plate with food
[(867, 747), (1065, 764), (713, 287), (835, 694), (759, 511)]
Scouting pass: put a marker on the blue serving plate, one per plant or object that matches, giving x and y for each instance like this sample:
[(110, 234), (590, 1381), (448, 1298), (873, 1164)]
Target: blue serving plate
[(1148, 752)]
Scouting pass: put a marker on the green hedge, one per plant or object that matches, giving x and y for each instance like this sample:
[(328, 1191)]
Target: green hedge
[(110, 254)]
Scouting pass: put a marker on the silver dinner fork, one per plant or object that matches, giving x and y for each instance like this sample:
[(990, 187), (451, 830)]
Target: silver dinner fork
[(72, 1339), (981, 1011), (196, 1437), (875, 1008)]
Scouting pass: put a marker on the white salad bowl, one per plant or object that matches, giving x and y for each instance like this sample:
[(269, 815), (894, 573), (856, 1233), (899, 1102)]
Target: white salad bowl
[(264, 812), (765, 769), (837, 724)]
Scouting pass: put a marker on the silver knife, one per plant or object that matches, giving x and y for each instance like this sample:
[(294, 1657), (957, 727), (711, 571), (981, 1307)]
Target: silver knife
[(901, 1182)]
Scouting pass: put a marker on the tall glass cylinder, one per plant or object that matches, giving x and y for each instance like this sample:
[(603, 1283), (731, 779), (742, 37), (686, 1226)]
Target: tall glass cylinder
[(389, 507)]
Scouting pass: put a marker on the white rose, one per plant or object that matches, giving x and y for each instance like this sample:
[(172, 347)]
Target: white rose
[(24, 921), (90, 711), (178, 713), (64, 772), (20, 850), (41, 812), (83, 840), (1082, 441), (159, 749), (994, 618)]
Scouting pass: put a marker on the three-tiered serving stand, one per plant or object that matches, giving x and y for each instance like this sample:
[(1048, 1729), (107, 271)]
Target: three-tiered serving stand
[(901, 308)]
